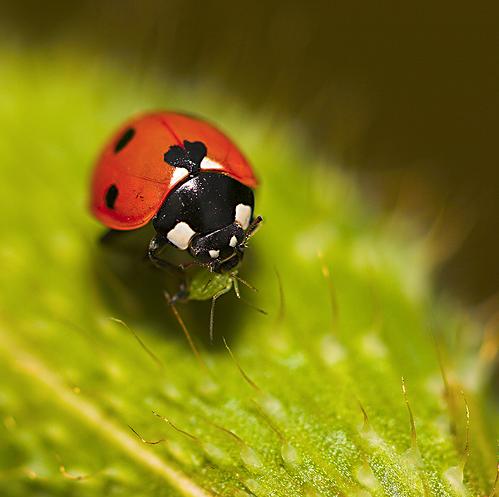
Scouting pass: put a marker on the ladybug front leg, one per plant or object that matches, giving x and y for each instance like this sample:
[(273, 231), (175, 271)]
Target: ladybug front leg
[(156, 244)]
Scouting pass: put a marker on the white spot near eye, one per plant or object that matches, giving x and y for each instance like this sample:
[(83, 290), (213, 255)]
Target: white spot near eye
[(243, 215), (207, 163), (233, 241), (179, 173), (214, 253), (181, 235)]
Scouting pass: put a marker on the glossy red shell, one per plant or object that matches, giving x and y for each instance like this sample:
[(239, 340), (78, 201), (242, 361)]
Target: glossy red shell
[(141, 176)]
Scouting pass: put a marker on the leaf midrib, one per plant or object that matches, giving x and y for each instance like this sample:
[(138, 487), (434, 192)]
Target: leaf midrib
[(25, 362)]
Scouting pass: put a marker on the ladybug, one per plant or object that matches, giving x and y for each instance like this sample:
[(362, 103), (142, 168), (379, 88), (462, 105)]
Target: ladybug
[(186, 178)]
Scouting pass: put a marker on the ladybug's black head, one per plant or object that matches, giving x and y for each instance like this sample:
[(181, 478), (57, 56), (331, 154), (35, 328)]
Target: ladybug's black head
[(223, 249)]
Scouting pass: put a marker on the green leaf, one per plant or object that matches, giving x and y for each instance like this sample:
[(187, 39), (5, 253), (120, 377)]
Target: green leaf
[(306, 400)]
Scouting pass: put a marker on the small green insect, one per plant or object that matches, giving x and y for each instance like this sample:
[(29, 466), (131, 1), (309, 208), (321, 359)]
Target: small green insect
[(205, 285)]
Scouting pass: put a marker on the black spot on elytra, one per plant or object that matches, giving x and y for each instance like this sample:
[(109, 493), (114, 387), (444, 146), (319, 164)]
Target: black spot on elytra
[(123, 141), (189, 156), (111, 196)]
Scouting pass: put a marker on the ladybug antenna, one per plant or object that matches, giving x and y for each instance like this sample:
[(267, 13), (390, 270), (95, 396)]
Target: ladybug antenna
[(252, 229)]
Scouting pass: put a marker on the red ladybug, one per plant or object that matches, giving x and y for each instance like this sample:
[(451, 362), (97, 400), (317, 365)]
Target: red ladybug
[(185, 177)]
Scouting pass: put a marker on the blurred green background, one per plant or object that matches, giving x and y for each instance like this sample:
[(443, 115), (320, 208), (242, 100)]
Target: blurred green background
[(404, 95)]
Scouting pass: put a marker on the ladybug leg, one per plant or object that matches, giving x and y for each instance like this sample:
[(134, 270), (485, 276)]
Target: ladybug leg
[(156, 244)]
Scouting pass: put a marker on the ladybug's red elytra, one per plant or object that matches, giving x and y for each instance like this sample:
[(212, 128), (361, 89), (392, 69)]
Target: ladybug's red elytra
[(185, 177)]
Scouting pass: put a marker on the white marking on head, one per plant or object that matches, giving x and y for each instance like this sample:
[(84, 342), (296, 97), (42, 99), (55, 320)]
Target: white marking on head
[(243, 215), (214, 253), (233, 241), (207, 163), (181, 235), (179, 174)]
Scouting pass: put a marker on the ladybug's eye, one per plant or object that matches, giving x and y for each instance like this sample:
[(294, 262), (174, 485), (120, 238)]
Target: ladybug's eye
[(111, 196), (123, 141)]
